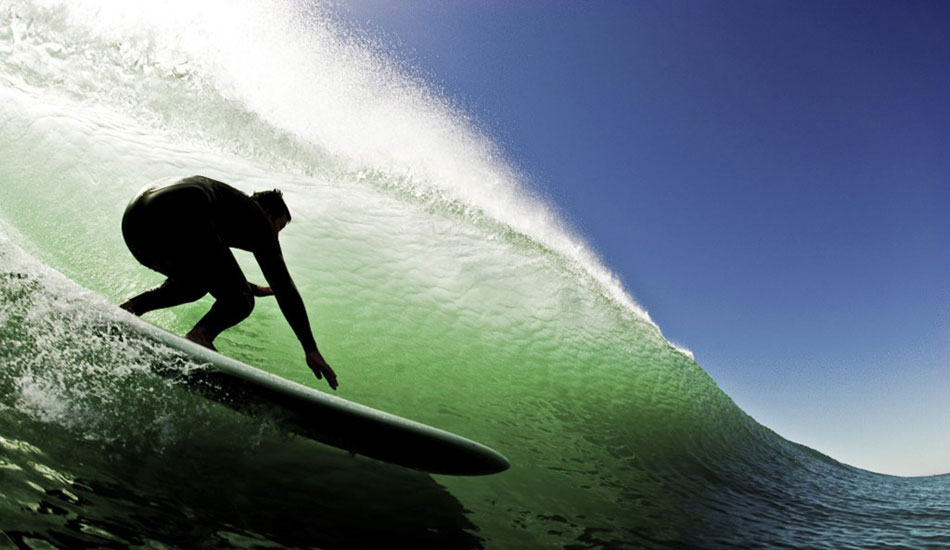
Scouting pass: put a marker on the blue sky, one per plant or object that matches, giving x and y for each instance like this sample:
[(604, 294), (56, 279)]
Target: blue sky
[(771, 180)]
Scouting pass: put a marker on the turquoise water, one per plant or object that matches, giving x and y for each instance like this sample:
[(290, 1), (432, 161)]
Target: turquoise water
[(440, 287)]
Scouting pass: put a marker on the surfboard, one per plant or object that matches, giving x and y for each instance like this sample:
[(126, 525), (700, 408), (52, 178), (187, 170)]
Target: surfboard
[(322, 417)]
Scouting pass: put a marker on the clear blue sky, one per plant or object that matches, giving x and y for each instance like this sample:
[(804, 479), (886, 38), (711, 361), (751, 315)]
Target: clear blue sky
[(771, 180)]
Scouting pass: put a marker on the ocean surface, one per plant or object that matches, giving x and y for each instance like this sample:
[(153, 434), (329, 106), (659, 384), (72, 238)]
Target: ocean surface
[(439, 285)]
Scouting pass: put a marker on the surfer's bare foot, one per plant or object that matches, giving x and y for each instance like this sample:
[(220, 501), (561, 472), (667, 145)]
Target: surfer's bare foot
[(200, 337)]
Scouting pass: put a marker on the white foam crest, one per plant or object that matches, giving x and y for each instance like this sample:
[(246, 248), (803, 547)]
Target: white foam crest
[(295, 66), (682, 349), (71, 362)]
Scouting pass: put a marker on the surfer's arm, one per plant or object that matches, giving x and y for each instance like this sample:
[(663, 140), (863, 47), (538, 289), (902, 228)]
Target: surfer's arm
[(288, 298), (272, 264)]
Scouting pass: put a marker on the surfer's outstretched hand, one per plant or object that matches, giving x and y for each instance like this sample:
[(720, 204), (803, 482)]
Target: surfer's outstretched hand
[(319, 366)]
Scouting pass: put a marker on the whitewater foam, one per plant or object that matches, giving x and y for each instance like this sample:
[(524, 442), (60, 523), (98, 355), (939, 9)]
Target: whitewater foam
[(262, 77)]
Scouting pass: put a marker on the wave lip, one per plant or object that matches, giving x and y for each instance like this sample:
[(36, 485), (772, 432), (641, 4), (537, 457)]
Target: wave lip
[(255, 78), (446, 289)]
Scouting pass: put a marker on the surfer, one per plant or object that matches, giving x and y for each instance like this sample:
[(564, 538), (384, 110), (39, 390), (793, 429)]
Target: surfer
[(185, 230)]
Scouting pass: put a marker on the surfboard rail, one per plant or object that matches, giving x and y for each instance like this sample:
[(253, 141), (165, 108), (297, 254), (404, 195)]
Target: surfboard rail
[(326, 418)]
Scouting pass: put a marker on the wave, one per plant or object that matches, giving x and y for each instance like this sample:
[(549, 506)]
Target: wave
[(441, 287)]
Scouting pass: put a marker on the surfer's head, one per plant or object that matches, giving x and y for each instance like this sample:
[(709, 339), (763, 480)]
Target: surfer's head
[(272, 203)]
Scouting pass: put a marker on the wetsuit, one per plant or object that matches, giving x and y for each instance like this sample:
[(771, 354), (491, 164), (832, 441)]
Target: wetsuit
[(185, 230)]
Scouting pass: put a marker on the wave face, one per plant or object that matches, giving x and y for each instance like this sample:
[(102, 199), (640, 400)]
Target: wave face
[(439, 286)]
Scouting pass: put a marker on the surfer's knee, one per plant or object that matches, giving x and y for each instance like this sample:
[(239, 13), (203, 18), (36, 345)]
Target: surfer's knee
[(233, 304), (242, 305), (228, 310)]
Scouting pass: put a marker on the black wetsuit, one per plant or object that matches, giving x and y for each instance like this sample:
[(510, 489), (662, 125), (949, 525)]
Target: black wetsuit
[(185, 231)]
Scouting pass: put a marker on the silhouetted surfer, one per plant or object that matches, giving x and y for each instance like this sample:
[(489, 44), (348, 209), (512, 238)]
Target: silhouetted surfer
[(185, 230)]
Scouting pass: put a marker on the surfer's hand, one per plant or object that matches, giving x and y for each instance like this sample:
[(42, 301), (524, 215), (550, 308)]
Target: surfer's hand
[(319, 366), (259, 291)]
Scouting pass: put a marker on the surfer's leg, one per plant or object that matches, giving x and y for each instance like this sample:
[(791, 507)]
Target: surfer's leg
[(233, 298), (162, 246), (224, 314), (170, 293)]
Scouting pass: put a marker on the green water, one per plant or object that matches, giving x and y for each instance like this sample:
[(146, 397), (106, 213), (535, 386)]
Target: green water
[(438, 287)]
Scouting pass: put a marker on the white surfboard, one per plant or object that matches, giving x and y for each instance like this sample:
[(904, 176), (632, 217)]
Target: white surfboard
[(326, 418)]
